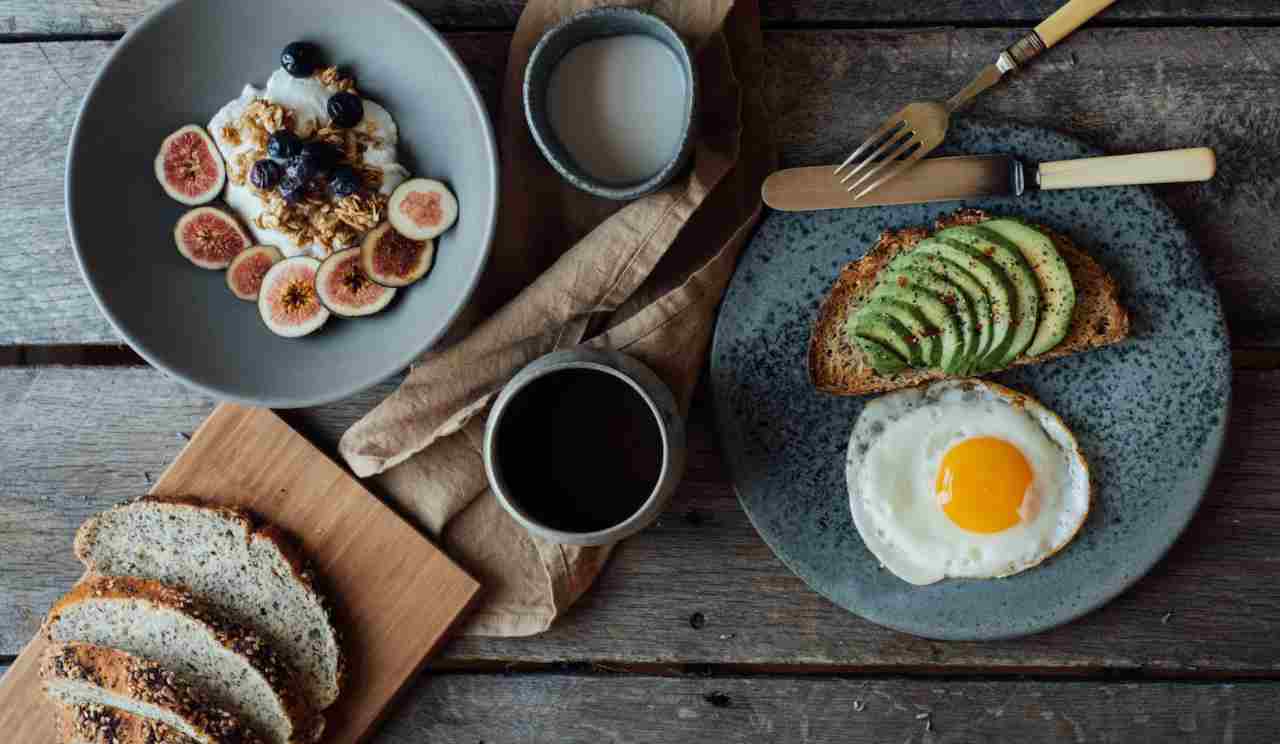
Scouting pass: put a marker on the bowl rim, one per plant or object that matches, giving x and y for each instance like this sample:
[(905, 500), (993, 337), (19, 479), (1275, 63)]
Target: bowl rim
[(366, 381), (570, 171)]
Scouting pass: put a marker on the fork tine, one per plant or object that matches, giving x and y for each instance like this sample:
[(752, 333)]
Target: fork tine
[(886, 161), (888, 128), (892, 140), (902, 165)]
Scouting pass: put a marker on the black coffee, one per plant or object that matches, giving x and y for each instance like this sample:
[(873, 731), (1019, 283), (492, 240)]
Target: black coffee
[(579, 450)]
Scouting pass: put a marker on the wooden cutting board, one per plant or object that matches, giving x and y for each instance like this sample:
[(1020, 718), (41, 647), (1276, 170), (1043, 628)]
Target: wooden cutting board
[(396, 593)]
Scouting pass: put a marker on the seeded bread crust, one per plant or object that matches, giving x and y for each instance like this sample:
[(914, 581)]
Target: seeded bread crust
[(137, 599), (75, 672), (839, 367), (100, 724), (322, 673)]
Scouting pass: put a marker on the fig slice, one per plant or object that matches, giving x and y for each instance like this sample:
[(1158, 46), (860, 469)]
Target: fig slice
[(288, 302), (247, 270), (344, 288), (421, 209), (392, 260), (210, 238), (190, 167)]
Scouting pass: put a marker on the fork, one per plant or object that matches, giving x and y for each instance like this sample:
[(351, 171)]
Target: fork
[(918, 128)]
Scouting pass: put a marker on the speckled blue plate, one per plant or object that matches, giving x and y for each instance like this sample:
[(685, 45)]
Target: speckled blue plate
[(1150, 413)]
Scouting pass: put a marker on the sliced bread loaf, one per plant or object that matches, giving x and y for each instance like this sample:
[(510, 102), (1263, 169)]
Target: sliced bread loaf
[(99, 724), (251, 573), (164, 624), (81, 674), (838, 366)]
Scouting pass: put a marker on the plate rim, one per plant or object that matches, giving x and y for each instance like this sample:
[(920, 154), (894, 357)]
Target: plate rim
[(1214, 446), (474, 99)]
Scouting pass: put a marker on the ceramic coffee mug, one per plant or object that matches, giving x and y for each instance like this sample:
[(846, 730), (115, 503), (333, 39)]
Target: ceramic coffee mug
[(651, 390)]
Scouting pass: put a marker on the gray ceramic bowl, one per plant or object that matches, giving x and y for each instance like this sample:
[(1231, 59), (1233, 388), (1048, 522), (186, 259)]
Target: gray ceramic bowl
[(650, 388), (179, 66), (559, 40)]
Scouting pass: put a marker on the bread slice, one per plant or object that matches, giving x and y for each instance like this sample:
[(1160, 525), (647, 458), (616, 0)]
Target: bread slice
[(232, 666), (99, 724), (248, 572), (86, 675), (838, 366)]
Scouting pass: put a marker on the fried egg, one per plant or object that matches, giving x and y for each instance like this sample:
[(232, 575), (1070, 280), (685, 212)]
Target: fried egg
[(964, 479)]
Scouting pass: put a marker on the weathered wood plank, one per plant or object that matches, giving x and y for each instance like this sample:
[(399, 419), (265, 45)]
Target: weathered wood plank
[(1126, 90), (24, 18), (77, 440), (470, 708), (568, 709)]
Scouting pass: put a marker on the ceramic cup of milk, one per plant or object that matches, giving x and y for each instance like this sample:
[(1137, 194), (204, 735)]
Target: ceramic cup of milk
[(609, 96)]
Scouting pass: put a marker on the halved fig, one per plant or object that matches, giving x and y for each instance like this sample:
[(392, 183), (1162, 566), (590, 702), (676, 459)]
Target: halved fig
[(190, 167), (247, 270), (289, 303), (344, 288), (392, 260), (421, 209), (210, 238)]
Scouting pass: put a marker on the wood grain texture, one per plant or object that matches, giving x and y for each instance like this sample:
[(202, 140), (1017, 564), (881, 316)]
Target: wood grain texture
[(25, 18), (396, 595), (84, 439), (468, 708), (465, 709), (1126, 90)]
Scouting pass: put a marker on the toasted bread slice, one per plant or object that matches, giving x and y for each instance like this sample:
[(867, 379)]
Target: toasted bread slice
[(839, 367)]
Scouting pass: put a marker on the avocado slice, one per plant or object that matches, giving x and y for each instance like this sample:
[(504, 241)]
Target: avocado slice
[(886, 330), (972, 292), (1026, 289), (992, 281), (960, 306), (1057, 291), (926, 345), (883, 359), (903, 287)]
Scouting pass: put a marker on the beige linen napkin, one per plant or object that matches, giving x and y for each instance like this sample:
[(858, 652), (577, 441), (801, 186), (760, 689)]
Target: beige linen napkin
[(644, 278)]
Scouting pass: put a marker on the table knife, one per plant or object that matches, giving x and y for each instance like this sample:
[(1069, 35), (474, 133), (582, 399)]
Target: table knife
[(974, 176)]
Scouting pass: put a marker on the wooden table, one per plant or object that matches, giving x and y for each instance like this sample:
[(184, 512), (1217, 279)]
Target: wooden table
[(696, 632)]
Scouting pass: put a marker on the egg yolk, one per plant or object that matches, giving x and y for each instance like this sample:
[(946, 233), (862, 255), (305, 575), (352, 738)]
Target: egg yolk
[(982, 483)]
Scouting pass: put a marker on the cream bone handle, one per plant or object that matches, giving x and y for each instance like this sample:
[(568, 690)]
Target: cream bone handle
[(1068, 18), (1170, 166)]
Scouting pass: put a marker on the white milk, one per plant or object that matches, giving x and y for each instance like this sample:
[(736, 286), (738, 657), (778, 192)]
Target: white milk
[(618, 106)]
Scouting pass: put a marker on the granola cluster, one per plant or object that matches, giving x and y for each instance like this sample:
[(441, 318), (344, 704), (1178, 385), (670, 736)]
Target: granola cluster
[(319, 217)]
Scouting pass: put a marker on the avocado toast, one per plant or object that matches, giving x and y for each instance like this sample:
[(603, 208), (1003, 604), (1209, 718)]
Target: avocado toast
[(975, 296)]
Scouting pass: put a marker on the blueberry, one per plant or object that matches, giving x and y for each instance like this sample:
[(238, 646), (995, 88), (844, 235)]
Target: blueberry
[(292, 188), (300, 59), (266, 174), (345, 181), (321, 157), (283, 145), (346, 109), (300, 169)]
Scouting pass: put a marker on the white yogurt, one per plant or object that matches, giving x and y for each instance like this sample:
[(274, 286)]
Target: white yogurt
[(618, 106), (308, 99)]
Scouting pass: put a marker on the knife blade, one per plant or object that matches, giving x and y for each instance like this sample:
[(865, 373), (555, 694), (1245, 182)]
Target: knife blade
[(975, 176)]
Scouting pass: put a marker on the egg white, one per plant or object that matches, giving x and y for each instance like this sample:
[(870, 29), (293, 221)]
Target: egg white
[(894, 452)]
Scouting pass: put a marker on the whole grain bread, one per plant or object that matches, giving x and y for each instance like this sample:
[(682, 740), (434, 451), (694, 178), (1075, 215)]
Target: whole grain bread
[(81, 674), (230, 664), (99, 724), (838, 366), (249, 572)]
